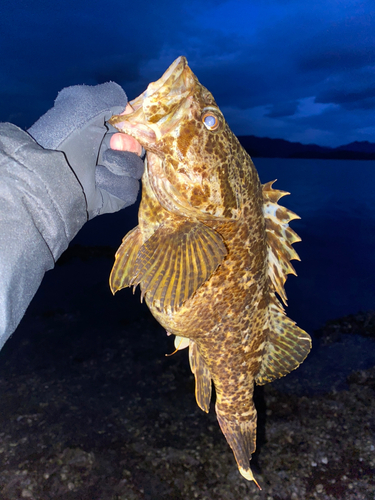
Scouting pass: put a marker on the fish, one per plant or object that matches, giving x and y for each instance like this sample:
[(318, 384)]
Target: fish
[(211, 252)]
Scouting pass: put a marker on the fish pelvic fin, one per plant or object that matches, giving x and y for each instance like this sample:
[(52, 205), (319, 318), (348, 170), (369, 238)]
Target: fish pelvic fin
[(123, 268), (280, 238), (286, 346), (175, 261), (203, 383), (241, 437)]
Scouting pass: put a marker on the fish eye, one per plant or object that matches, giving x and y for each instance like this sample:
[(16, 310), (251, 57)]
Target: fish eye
[(210, 121)]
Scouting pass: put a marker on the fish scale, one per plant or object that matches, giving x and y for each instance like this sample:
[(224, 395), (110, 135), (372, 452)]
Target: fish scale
[(211, 251)]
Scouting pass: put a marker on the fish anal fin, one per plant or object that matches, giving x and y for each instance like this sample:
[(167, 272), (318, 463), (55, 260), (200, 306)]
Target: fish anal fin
[(203, 384), (175, 261), (123, 268), (286, 347), (280, 238), (241, 437)]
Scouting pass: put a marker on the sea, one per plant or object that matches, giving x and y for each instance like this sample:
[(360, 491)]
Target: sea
[(335, 200), (336, 204), (336, 276)]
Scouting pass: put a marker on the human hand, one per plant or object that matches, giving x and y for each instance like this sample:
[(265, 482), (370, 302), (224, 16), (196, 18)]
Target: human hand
[(105, 162)]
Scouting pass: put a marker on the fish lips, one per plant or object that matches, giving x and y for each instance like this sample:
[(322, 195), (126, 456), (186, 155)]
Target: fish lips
[(160, 107)]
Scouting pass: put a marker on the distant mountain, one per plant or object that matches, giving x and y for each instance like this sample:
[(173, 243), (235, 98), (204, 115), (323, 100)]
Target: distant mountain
[(279, 148), (361, 147)]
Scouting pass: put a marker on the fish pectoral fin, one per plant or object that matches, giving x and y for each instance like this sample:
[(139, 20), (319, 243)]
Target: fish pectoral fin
[(241, 437), (203, 384), (176, 260), (123, 268), (286, 347)]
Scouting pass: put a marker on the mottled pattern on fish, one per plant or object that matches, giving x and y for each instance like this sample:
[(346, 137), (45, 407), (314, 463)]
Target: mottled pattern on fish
[(211, 250)]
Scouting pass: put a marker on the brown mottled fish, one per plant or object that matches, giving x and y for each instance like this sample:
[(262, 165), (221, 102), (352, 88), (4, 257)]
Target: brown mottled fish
[(211, 250)]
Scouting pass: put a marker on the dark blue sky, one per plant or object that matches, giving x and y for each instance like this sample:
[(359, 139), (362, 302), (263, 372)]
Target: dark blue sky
[(302, 71)]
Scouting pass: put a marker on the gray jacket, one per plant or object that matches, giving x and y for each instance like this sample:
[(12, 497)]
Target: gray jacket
[(52, 180), (42, 207)]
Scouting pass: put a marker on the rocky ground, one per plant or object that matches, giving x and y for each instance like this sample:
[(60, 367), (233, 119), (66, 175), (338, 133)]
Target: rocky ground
[(93, 409)]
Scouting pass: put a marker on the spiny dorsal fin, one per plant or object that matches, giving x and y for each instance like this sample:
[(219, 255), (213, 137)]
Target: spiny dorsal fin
[(280, 238), (203, 385), (286, 346), (175, 261), (123, 268)]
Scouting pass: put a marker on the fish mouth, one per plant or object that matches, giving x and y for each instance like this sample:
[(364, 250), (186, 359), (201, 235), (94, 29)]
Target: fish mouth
[(160, 107)]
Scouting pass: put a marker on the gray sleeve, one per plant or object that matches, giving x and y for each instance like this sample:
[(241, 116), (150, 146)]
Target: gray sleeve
[(42, 207)]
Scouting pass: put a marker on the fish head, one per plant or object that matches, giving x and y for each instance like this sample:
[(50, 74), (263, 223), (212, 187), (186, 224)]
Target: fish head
[(193, 156)]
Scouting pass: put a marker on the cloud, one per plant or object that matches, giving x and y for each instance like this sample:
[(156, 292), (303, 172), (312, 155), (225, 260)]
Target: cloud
[(324, 124), (46, 46), (286, 108), (356, 93), (278, 56), (322, 56)]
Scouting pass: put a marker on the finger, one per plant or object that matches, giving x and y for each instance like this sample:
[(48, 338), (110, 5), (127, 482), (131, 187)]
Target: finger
[(124, 142)]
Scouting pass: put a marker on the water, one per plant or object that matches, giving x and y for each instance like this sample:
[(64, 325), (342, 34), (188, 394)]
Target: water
[(335, 277), (336, 202)]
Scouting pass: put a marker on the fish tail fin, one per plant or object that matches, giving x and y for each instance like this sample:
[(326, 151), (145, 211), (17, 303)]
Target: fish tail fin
[(241, 437), (123, 268)]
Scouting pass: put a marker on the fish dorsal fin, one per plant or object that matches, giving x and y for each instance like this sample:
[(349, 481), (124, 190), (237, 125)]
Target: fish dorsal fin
[(280, 238), (175, 261), (123, 268), (203, 385), (286, 346)]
